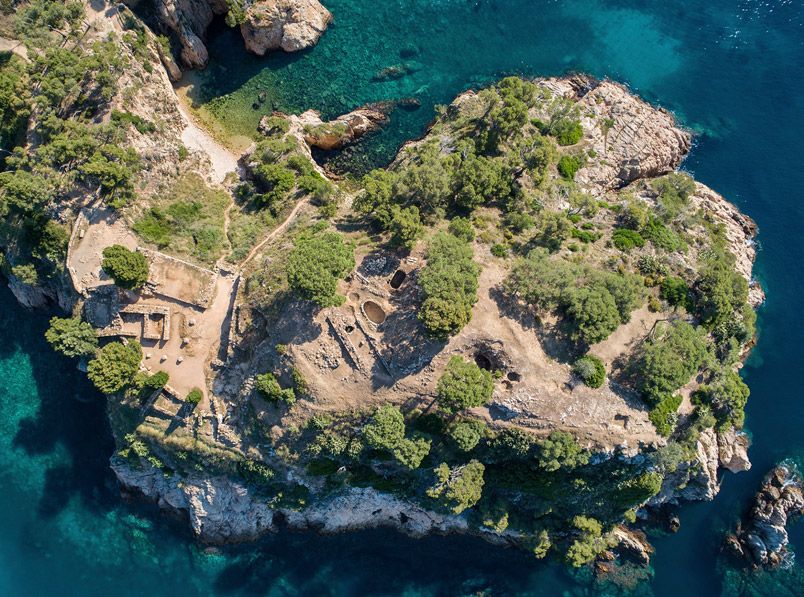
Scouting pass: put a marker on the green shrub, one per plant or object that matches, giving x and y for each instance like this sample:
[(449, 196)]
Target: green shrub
[(663, 414), (315, 265), (194, 397), (276, 180), (115, 366), (386, 429), (585, 236), (568, 132), (128, 269), (499, 250), (463, 385), (591, 370), (462, 228), (72, 337), (448, 286), (268, 387), (626, 239), (299, 383), (568, 166), (457, 489), (676, 292), (255, 472)]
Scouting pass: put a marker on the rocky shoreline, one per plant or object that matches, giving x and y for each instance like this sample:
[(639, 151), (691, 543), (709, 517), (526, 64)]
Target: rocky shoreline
[(289, 25), (760, 540)]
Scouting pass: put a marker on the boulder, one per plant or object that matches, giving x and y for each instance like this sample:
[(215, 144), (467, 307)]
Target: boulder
[(290, 25), (761, 538)]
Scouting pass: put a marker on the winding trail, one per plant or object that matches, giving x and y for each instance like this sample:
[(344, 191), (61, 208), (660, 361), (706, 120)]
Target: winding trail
[(282, 227)]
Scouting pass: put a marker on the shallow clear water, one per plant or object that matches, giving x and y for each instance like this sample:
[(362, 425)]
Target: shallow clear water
[(731, 70)]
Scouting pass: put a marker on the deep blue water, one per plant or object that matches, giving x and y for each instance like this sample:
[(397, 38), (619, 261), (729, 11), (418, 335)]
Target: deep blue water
[(731, 70)]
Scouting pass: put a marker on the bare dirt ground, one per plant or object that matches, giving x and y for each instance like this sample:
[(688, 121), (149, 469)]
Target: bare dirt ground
[(105, 228), (352, 363)]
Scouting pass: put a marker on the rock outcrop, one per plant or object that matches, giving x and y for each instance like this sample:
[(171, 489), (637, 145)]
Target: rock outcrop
[(39, 296), (223, 511), (289, 25), (337, 133), (636, 139), (761, 538), (698, 480)]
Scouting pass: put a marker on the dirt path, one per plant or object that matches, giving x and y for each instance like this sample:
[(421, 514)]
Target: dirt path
[(282, 227)]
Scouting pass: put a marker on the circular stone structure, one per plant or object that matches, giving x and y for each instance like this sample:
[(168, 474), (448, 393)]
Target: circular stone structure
[(374, 312)]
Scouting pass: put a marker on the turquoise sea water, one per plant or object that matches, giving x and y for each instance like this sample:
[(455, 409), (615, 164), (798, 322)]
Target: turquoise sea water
[(730, 69)]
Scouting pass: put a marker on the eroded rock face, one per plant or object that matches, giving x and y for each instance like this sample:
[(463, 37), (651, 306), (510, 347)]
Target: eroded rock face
[(761, 538), (220, 509), (290, 25), (223, 511), (39, 296), (698, 480)]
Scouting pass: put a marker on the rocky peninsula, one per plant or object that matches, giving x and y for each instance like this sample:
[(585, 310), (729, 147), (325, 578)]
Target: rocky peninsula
[(527, 328)]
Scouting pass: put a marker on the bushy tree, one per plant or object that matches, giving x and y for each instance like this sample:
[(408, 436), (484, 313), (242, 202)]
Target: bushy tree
[(480, 181), (723, 291), (115, 366), (411, 452), (554, 228), (540, 281), (315, 265), (463, 385), (462, 228), (128, 269), (589, 543), (381, 188), (268, 387), (727, 396), (156, 381), (386, 429), (457, 489), (560, 450), (428, 180), (449, 286), (465, 435), (594, 314), (669, 361), (194, 397), (406, 227), (675, 291), (513, 443), (72, 337), (591, 370), (276, 180)]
